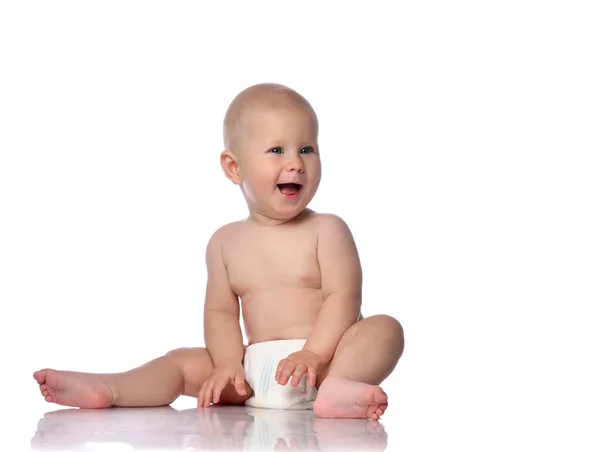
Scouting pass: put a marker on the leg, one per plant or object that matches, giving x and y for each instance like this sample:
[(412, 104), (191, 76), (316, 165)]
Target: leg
[(156, 383), (350, 390)]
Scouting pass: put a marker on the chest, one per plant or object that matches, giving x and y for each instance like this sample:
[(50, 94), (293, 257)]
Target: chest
[(270, 261)]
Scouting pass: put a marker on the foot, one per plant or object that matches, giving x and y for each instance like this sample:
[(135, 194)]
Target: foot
[(342, 398), (74, 389)]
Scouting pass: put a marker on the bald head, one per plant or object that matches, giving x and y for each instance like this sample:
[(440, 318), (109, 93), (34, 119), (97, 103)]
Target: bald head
[(261, 95)]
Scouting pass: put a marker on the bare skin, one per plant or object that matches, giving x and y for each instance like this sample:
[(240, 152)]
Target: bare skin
[(288, 265), (345, 390)]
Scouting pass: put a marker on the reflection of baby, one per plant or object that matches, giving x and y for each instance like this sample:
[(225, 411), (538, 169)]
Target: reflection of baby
[(301, 430), (296, 272), (223, 428)]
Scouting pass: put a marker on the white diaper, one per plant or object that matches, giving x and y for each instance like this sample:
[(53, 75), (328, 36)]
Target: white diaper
[(260, 364)]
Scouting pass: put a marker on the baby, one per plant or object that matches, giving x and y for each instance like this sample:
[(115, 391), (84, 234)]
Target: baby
[(296, 275)]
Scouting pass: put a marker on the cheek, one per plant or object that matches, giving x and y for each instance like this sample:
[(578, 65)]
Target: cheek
[(315, 171), (318, 180), (261, 179)]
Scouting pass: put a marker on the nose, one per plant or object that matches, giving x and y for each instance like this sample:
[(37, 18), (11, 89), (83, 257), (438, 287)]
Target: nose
[(295, 164)]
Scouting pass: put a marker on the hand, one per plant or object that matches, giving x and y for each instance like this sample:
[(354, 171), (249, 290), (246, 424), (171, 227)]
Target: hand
[(219, 378), (296, 365)]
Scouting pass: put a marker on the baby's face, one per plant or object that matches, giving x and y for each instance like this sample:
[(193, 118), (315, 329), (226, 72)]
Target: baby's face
[(279, 160)]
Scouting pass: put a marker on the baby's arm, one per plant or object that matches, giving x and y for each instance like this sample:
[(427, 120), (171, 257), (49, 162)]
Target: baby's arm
[(341, 284), (222, 333)]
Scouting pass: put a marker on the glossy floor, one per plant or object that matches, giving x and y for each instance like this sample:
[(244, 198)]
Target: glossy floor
[(215, 428)]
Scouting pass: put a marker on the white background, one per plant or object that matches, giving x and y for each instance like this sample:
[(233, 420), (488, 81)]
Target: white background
[(459, 141)]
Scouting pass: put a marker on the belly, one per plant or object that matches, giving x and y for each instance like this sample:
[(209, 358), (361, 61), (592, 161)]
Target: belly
[(280, 315)]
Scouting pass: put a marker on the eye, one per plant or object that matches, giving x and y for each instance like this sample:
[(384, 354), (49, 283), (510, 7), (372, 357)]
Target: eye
[(276, 150), (306, 150)]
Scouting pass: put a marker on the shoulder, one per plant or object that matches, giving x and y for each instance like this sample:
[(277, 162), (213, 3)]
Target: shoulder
[(335, 242), (224, 234), (329, 220), (328, 224)]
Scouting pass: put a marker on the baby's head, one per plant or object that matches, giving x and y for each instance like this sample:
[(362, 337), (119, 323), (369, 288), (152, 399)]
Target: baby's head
[(270, 134)]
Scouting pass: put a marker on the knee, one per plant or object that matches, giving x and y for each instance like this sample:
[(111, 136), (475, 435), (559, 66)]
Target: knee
[(184, 355), (178, 352), (390, 326)]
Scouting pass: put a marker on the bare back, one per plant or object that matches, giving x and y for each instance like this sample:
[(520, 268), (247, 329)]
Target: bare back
[(275, 273)]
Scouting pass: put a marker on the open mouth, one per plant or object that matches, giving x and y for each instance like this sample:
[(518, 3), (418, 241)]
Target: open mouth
[(289, 189)]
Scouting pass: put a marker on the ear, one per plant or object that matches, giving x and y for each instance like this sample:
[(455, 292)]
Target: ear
[(231, 167)]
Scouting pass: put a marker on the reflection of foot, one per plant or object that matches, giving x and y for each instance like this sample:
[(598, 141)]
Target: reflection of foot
[(357, 427), (74, 389), (139, 428), (357, 434), (343, 398), (302, 430)]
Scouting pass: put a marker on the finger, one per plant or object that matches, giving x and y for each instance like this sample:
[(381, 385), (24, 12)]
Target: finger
[(208, 394), (218, 389), (240, 386), (281, 371), (280, 367), (290, 372), (287, 371), (300, 370), (312, 376), (201, 394)]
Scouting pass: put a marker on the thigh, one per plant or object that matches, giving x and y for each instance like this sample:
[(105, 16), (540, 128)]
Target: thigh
[(196, 365)]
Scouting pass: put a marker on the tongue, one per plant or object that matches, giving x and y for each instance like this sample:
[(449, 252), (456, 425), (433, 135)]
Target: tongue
[(288, 189)]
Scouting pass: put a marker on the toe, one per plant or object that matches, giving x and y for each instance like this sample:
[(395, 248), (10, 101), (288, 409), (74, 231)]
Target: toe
[(40, 376), (371, 410), (380, 396)]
